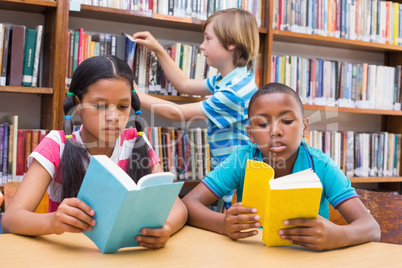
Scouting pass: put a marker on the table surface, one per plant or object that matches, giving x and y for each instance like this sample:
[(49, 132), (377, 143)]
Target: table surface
[(190, 247)]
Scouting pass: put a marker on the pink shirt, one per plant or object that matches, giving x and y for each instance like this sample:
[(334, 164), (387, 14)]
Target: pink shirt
[(49, 152)]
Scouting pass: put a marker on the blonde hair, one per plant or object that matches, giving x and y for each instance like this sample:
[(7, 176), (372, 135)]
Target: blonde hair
[(237, 27)]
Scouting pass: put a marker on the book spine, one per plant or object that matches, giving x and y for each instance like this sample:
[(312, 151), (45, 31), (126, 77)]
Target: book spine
[(16, 60), (76, 49), (28, 148), (5, 152), (4, 61), (20, 154), (80, 55), (38, 47), (29, 53), (1, 43), (1, 151)]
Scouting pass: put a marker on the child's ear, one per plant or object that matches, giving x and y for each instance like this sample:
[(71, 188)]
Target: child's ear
[(250, 136), (306, 126), (231, 47)]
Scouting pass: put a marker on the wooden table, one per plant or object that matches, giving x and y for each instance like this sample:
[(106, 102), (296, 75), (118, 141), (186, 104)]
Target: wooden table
[(191, 247)]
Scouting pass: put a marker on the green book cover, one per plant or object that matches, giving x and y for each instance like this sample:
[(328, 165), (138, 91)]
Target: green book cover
[(29, 53), (76, 49)]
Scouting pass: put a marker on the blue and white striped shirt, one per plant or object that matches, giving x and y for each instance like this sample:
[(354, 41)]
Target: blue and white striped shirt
[(227, 111)]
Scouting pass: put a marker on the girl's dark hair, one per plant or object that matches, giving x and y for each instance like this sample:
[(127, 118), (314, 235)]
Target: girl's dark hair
[(275, 88), (75, 159)]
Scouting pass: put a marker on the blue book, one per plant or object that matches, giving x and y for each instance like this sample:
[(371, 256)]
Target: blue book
[(400, 25), (122, 207), (130, 50), (348, 83), (343, 19), (320, 77)]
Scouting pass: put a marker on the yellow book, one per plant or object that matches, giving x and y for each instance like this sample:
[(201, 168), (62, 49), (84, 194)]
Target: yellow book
[(293, 196)]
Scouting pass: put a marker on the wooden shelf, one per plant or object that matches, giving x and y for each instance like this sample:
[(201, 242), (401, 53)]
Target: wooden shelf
[(351, 110), (375, 179), (32, 6), (136, 17), (143, 18), (318, 40), (178, 98), (27, 90)]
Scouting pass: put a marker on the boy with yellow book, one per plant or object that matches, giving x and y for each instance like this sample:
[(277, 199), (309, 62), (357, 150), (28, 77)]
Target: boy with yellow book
[(277, 125)]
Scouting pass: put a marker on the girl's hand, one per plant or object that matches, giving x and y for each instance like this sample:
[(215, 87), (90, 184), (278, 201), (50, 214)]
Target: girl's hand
[(238, 219), (316, 234), (146, 39), (73, 215), (155, 238)]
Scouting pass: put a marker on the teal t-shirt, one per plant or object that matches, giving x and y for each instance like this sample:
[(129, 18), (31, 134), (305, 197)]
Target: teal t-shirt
[(229, 175)]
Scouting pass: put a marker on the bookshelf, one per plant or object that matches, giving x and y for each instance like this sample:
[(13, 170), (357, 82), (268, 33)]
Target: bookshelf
[(387, 120), (52, 17)]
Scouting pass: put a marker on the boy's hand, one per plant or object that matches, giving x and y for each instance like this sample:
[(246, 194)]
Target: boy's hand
[(154, 238), (73, 215), (316, 234), (146, 39), (238, 219)]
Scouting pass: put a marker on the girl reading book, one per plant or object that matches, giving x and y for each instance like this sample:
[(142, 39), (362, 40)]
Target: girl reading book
[(277, 125), (101, 94)]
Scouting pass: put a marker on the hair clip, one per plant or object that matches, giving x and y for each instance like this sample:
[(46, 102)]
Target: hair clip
[(70, 94), (69, 137), (67, 117), (140, 133), (138, 112)]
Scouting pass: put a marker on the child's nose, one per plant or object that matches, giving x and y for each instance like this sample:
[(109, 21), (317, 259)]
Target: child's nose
[(111, 113), (276, 129)]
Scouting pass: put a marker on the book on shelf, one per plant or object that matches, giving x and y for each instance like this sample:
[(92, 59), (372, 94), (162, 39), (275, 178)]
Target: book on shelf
[(38, 48), (2, 28), (360, 154), (293, 196), (29, 54), (4, 60), (16, 56), (122, 207), (8, 147)]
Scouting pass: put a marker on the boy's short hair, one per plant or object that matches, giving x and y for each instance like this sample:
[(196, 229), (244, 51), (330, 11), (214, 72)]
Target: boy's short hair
[(272, 88), (237, 27)]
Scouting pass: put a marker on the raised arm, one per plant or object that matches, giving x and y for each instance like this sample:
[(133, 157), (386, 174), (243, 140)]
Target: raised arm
[(170, 110), (180, 81)]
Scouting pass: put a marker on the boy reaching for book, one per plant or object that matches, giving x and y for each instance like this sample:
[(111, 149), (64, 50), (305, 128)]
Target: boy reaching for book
[(277, 125), (102, 94), (231, 42)]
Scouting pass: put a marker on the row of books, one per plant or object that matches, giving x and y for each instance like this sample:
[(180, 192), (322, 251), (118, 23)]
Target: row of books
[(192, 9), (83, 45), (20, 49), (360, 154), (146, 68), (15, 147), (343, 84), (184, 152), (367, 20), (150, 77)]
